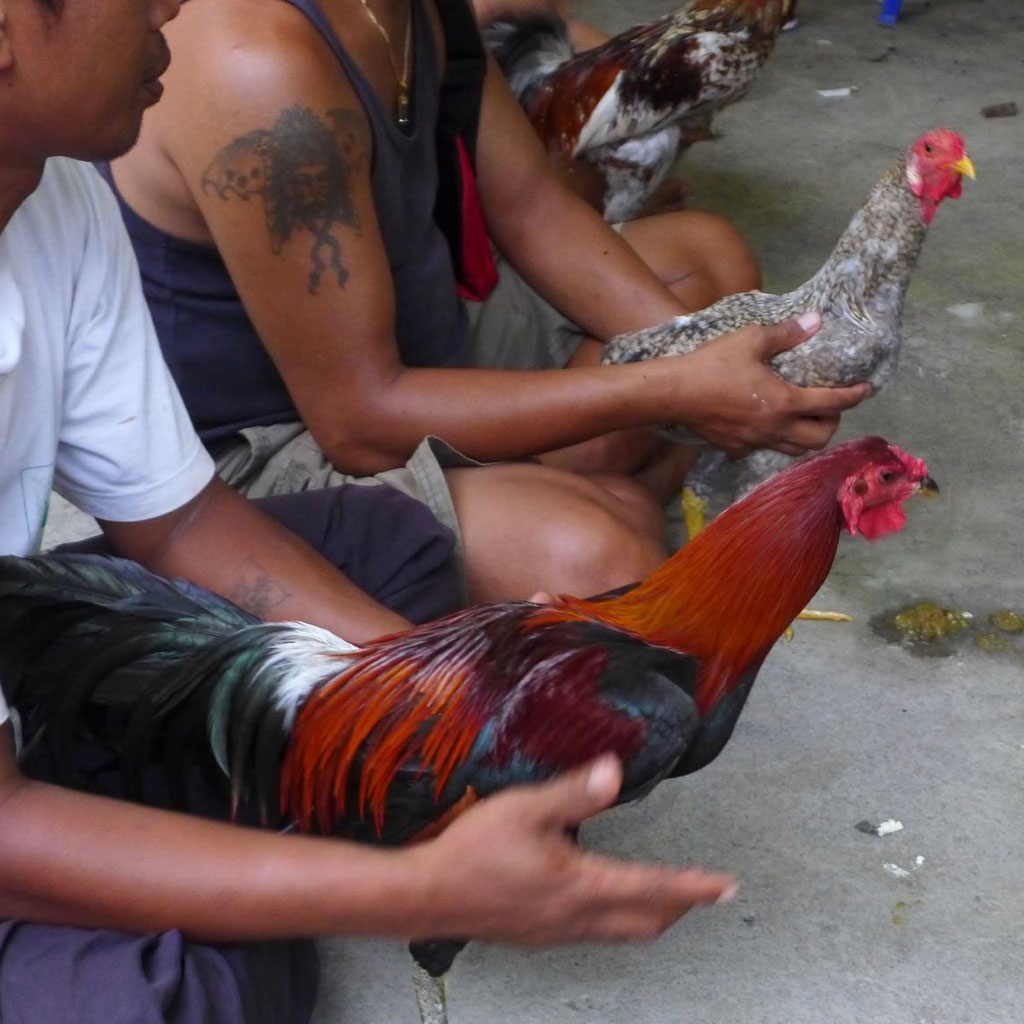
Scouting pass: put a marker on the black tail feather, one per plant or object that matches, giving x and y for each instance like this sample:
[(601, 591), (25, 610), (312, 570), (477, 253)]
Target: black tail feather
[(83, 633)]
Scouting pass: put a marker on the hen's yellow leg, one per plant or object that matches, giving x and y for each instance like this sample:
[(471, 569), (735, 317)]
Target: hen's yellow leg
[(693, 512)]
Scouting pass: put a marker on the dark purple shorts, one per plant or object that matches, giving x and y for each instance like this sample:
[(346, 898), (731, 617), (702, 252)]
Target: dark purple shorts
[(386, 542), (60, 975)]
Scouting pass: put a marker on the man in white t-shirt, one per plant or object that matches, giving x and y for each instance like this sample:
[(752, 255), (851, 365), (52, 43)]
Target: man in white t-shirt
[(115, 913)]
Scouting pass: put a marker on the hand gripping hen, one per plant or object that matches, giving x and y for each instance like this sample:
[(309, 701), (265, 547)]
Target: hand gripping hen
[(286, 724), (859, 292)]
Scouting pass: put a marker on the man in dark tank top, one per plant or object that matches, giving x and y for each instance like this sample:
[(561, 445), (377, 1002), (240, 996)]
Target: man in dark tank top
[(282, 203)]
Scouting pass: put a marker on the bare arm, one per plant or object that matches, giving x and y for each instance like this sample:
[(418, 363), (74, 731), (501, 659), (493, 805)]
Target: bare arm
[(225, 543), (119, 865), (334, 344)]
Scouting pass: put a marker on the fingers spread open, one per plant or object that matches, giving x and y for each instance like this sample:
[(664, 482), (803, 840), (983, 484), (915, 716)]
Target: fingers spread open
[(641, 901)]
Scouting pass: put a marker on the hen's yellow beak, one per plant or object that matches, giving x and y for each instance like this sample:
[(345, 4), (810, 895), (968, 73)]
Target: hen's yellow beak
[(963, 166), (928, 488)]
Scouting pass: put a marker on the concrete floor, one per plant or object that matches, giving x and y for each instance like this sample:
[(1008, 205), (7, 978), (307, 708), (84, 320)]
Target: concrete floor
[(842, 725)]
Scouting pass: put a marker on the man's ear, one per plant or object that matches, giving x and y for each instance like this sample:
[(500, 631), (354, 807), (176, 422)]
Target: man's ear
[(6, 53)]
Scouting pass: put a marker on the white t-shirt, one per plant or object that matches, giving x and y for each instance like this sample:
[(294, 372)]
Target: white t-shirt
[(87, 405)]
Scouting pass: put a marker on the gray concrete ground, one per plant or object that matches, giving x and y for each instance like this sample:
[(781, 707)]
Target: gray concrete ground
[(842, 725)]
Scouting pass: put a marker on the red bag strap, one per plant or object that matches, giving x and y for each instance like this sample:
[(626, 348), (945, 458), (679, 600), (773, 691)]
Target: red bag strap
[(457, 209), (478, 274)]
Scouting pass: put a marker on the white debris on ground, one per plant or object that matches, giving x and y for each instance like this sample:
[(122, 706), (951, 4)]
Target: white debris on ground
[(883, 828), (888, 826), (967, 311), (897, 872)]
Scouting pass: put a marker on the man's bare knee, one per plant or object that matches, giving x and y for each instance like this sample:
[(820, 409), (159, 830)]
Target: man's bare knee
[(700, 256), (527, 528), (632, 502), (593, 551)]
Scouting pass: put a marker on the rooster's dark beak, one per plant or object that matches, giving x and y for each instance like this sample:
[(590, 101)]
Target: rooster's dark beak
[(928, 487)]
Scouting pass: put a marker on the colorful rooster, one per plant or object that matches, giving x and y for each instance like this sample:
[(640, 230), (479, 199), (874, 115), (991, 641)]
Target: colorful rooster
[(632, 104), (387, 741)]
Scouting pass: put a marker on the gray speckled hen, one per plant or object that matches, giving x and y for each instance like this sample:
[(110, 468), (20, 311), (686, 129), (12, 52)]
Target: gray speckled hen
[(859, 292)]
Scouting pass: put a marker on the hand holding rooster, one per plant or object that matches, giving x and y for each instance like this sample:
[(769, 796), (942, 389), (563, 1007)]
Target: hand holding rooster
[(539, 888), (505, 871), (729, 396)]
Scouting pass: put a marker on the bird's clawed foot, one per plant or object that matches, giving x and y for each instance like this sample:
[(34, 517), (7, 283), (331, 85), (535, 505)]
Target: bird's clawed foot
[(430, 996)]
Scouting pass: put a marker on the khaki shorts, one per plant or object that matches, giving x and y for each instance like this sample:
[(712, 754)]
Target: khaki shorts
[(515, 329)]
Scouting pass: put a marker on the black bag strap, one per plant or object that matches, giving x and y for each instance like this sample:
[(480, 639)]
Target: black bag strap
[(463, 80), (461, 94)]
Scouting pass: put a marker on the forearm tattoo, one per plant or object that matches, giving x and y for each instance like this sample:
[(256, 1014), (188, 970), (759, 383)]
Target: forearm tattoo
[(302, 169), (256, 591)]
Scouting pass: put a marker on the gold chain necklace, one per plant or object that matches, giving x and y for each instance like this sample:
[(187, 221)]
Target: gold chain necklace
[(401, 77)]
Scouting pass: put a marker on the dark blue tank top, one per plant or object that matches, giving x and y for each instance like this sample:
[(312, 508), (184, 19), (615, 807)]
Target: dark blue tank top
[(222, 369)]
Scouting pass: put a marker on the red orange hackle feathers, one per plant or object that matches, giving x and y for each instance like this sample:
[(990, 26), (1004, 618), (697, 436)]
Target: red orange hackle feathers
[(426, 695)]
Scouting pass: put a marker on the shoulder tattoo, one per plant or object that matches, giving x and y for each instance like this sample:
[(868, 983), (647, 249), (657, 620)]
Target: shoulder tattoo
[(301, 168)]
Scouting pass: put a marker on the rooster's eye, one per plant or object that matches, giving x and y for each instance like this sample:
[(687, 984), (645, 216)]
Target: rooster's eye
[(887, 476), (928, 147)]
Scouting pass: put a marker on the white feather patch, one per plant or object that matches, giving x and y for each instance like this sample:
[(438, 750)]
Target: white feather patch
[(305, 656), (598, 129)]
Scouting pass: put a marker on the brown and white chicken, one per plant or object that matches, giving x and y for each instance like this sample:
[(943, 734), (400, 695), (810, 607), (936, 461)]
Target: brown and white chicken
[(859, 292), (629, 106)]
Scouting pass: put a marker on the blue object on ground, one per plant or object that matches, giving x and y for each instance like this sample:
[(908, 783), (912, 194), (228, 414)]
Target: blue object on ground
[(890, 12)]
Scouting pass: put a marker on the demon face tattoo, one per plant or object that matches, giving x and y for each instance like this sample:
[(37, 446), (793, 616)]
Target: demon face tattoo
[(302, 169)]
